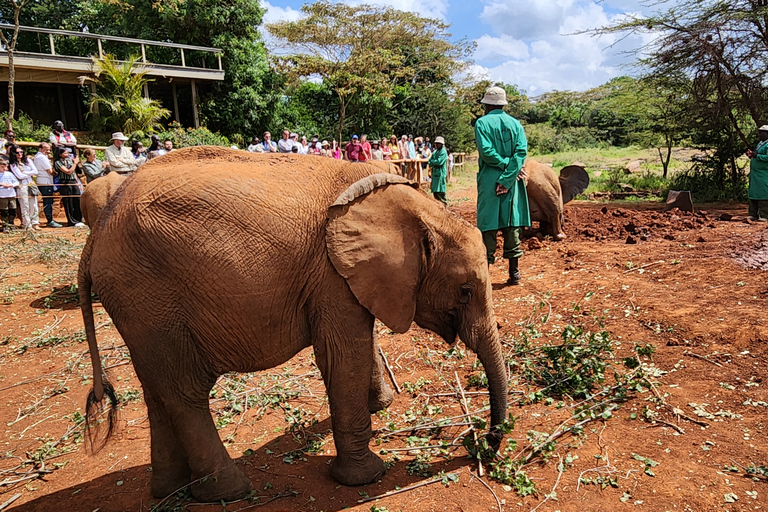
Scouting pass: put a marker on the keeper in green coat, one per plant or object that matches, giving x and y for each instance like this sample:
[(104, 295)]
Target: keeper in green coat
[(758, 177), (437, 167), (502, 199)]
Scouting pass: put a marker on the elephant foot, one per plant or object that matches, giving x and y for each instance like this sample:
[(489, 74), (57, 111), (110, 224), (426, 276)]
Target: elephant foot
[(165, 483), (380, 399), (346, 472), (227, 484)]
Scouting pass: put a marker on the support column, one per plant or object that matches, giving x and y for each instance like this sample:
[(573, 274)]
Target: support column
[(62, 110), (175, 102), (146, 92), (95, 109), (195, 115)]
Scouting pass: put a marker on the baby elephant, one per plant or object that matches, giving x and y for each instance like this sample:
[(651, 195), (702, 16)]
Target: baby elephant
[(548, 192), (97, 194), (215, 260)]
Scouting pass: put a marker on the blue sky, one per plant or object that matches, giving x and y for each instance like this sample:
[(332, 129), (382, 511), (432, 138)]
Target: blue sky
[(525, 42)]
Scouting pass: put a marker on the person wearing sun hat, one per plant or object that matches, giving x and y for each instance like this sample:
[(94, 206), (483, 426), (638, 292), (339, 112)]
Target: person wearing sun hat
[(119, 157), (502, 199), (758, 177), (437, 168)]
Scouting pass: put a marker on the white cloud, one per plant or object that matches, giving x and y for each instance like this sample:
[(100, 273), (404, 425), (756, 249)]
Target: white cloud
[(540, 46), (276, 13)]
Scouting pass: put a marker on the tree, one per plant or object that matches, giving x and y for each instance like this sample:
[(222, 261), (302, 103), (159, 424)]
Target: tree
[(120, 100), (366, 49), (10, 48)]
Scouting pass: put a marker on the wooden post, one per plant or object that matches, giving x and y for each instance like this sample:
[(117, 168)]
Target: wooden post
[(219, 55), (92, 87), (143, 54), (53, 48), (146, 91), (101, 52), (183, 61), (175, 102), (194, 104)]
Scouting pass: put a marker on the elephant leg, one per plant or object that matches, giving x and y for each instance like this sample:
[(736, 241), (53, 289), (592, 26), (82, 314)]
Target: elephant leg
[(380, 396), (345, 359), (170, 470)]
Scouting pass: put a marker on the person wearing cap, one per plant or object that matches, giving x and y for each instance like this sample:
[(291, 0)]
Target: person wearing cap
[(60, 137), (758, 177), (436, 164), (502, 199), (119, 157), (353, 149)]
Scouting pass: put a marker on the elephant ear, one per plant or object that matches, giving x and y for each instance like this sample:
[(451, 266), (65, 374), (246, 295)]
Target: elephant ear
[(379, 246), (573, 181)]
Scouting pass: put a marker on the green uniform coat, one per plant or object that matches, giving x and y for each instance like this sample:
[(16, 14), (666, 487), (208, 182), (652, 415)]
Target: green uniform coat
[(502, 147), (437, 162), (758, 174)]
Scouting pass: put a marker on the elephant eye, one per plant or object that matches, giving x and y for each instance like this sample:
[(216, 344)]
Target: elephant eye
[(465, 294)]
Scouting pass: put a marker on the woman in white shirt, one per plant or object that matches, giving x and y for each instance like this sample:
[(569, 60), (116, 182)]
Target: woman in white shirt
[(27, 192), (8, 184)]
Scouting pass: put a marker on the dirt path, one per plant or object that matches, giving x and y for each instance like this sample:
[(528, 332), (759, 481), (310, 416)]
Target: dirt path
[(692, 286)]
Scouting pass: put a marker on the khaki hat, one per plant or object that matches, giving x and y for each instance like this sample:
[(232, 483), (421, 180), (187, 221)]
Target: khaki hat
[(439, 140), (494, 96), (118, 136), (763, 128)]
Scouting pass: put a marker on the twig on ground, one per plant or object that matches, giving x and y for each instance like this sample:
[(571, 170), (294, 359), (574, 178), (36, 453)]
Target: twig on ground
[(390, 372), (643, 266), (7, 503), (465, 407), (703, 358), (557, 482), (498, 503), (675, 410), (662, 423), (404, 489)]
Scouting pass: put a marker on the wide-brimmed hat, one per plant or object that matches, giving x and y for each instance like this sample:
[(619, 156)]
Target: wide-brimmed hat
[(439, 140), (326, 143), (494, 96), (118, 136), (763, 128)]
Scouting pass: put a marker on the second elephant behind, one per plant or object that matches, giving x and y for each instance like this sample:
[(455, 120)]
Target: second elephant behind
[(547, 193)]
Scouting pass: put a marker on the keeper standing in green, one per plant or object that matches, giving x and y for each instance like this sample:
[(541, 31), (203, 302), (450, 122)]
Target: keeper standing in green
[(758, 177), (437, 169), (502, 199)]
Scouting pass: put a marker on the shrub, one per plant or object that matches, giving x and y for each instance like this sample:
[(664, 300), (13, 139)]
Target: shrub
[(25, 129), (183, 137)]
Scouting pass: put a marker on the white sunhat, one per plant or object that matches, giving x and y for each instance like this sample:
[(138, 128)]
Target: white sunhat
[(439, 140), (763, 128), (119, 136), (494, 96)]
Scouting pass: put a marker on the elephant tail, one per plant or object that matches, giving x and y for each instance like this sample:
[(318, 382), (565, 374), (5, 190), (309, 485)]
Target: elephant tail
[(95, 436)]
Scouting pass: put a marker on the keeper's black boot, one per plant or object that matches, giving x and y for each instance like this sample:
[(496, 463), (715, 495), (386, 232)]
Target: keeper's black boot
[(514, 273)]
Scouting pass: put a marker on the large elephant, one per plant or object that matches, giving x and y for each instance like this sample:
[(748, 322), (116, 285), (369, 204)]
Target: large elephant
[(212, 260), (547, 193), (97, 194)]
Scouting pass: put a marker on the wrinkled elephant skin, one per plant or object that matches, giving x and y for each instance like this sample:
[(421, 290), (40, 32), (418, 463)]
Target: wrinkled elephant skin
[(547, 194), (213, 260)]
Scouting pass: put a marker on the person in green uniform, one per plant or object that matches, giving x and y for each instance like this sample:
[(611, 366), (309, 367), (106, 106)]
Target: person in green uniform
[(758, 177), (437, 165), (502, 199)]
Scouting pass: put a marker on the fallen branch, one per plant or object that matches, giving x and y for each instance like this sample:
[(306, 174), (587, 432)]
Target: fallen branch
[(7, 503), (661, 423), (703, 358), (404, 489), (548, 496), (498, 503), (675, 410), (465, 407), (643, 266), (389, 371)]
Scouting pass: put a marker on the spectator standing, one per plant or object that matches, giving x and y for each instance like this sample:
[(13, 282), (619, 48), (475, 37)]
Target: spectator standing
[(394, 148), (8, 138), (119, 157), (8, 184), (254, 146), (386, 151), (429, 144), (304, 146), (376, 152), (69, 186), (26, 192), (411, 148), (336, 150), (92, 167), (758, 178), (268, 144), (437, 161), (353, 149), (155, 148), (366, 147), (402, 148), (137, 149), (285, 145), (45, 183), (502, 199), (449, 165), (60, 137)]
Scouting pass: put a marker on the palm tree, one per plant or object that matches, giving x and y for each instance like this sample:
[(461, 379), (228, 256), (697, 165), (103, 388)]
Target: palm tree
[(119, 98)]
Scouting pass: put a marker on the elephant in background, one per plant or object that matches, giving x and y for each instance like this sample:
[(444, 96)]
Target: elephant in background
[(547, 193), (214, 260), (97, 194)]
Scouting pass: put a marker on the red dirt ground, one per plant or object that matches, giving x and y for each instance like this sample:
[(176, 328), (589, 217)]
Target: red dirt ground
[(692, 285)]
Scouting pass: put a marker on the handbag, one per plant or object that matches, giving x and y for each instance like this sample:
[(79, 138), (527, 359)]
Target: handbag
[(33, 190)]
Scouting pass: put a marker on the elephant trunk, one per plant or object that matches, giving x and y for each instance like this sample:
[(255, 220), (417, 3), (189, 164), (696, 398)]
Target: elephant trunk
[(488, 349)]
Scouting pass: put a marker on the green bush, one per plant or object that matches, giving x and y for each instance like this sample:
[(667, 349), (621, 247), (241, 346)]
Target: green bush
[(183, 137), (708, 185), (25, 129), (544, 138)]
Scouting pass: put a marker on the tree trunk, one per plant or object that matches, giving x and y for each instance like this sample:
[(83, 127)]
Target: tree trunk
[(11, 92), (665, 162), (342, 111)]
